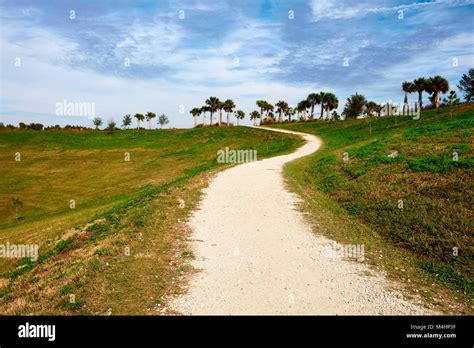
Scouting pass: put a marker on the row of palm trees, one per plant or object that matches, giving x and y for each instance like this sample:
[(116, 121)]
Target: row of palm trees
[(433, 85), (149, 116), (215, 105), (304, 110)]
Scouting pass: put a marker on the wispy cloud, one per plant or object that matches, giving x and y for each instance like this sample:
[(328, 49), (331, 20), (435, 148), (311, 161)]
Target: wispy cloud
[(337, 9)]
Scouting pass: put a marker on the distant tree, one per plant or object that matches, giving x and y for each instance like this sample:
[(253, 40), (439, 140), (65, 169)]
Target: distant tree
[(437, 85), (451, 99), (432, 100), (36, 126), (254, 115), (220, 107), (261, 104), (139, 118), (302, 107), (127, 121), (335, 116), (322, 101), (369, 111), (111, 126), (97, 121), (214, 104), (229, 106), (2, 125), (378, 109), (331, 103), (466, 85), (196, 112), (204, 109), (312, 100), (268, 109), (407, 87), (281, 106), (290, 112), (239, 115), (163, 120), (419, 85), (149, 117), (354, 106)]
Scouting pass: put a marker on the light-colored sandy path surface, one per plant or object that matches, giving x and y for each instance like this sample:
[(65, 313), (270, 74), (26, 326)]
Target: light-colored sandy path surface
[(257, 255)]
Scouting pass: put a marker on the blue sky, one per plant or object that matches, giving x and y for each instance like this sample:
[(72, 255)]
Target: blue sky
[(181, 52)]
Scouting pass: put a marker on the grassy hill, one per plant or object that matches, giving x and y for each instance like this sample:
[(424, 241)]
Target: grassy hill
[(410, 209), (119, 249)]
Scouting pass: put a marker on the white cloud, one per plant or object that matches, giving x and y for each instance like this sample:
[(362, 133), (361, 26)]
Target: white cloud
[(333, 9), (149, 44), (36, 86)]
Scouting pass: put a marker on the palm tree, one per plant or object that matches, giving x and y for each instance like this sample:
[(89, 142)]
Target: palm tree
[(204, 109), (261, 104), (239, 115), (419, 86), (139, 118), (407, 87), (322, 101), (437, 85), (229, 107), (149, 116), (312, 100), (378, 109), (268, 109), (196, 112), (331, 103), (127, 121), (319, 98), (282, 106), (219, 109), (354, 105), (213, 103), (369, 113), (290, 112), (302, 106), (254, 115)]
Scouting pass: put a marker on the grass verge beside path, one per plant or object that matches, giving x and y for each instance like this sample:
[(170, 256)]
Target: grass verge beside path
[(122, 249), (412, 210)]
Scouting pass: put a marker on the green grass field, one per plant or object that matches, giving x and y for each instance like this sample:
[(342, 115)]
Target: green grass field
[(123, 250), (119, 204), (414, 208)]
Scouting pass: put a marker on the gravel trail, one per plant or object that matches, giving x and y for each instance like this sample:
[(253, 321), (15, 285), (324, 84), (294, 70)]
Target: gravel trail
[(257, 255)]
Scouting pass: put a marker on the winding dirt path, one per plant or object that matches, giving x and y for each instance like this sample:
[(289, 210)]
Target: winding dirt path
[(257, 255)]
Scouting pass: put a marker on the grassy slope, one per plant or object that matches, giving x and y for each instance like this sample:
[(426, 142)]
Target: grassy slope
[(120, 206), (357, 201)]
